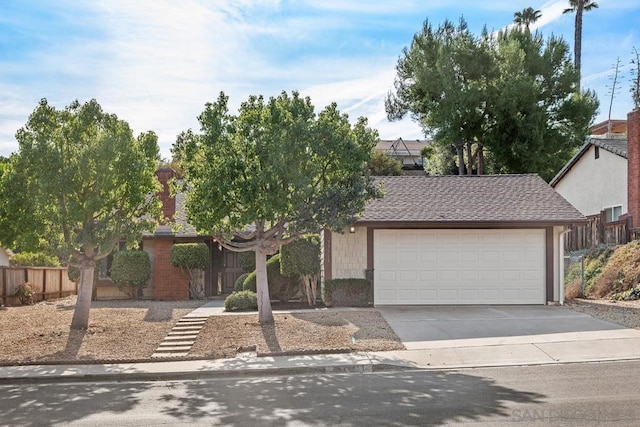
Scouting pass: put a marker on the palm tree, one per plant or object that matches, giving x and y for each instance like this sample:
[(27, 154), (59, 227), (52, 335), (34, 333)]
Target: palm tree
[(527, 17), (579, 7)]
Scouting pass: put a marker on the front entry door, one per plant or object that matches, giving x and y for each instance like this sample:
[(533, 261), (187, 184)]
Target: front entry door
[(231, 270)]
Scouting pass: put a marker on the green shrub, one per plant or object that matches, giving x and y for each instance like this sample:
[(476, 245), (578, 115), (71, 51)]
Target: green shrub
[(301, 256), (192, 258), (281, 287), (628, 295), (347, 292), (239, 283), (34, 259), (25, 294), (190, 255), (247, 261), (243, 300), (131, 271)]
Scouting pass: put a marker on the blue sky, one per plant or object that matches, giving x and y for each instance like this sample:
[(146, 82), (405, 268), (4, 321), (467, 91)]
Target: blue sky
[(156, 63)]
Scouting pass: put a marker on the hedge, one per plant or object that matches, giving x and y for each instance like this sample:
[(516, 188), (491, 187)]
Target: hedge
[(347, 293), (190, 255), (243, 300), (131, 271), (33, 259), (280, 287)]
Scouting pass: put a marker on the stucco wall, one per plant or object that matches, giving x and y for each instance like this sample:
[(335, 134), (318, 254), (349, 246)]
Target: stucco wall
[(593, 184), (349, 254), (4, 258)]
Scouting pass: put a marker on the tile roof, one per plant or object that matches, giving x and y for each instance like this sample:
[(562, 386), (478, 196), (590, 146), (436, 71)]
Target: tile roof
[(442, 200), (615, 146)]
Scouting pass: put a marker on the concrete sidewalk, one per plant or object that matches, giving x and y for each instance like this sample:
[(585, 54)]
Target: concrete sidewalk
[(478, 355)]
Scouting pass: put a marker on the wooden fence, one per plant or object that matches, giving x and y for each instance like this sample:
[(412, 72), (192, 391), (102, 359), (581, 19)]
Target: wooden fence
[(598, 232), (46, 283)]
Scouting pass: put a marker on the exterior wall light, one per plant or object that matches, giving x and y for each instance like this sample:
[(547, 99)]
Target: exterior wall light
[(352, 229)]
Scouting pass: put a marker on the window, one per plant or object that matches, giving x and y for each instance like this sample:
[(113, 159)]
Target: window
[(612, 213)]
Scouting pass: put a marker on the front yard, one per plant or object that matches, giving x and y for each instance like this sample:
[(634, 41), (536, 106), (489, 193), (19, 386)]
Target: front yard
[(132, 330)]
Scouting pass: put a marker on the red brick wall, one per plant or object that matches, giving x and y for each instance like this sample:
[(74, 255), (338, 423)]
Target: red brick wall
[(169, 283), (168, 203), (633, 169)]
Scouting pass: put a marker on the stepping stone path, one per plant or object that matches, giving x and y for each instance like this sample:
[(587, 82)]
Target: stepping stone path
[(183, 335)]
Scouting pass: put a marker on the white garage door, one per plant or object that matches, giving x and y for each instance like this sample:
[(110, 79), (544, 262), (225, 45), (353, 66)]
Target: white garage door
[(459, 267)]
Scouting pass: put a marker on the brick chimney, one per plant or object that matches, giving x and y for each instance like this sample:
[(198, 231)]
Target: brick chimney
[(165, 175), (633, 167)]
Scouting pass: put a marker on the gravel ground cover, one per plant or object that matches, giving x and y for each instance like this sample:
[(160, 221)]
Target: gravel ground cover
[(132, 330), (625, 313)]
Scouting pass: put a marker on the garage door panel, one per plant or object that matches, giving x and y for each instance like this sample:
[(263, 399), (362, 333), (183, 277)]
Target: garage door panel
[(459, 266)]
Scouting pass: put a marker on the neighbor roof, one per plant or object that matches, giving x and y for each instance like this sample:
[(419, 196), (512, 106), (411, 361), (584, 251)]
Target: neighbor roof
[(444, 200), (400, 147), (615, 146)]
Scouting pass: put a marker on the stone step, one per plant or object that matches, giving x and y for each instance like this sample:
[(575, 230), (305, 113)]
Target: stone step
[(181, 337), (200, 324), (186, 328), (195, 318), (174, 348), (182, 333), (177, 343)]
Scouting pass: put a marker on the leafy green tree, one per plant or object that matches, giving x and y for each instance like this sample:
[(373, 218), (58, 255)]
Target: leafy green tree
[(382, 164), (579, 7), (275, 171), (302, 258), (192, 258), (537, 118), (442, 80), (520, 106), (527, 17), (81, 183), (131, 271)]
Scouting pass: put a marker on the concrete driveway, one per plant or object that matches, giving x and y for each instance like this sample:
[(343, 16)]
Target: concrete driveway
[(462, 326)]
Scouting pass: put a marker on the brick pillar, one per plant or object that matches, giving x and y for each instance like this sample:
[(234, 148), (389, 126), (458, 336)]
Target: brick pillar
[(633, 167), (164, 175), (169, 283)]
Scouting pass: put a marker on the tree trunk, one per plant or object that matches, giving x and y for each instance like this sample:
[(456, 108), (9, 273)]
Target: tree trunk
[(469, 159), (480, 155), (459, 148), (83, 304), (577, 41), (265, 315)]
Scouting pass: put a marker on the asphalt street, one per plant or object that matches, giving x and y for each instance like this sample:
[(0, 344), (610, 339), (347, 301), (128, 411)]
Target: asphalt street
[(583, 394)]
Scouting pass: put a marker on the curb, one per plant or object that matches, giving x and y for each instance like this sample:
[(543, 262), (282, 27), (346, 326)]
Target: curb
[(174, 376)]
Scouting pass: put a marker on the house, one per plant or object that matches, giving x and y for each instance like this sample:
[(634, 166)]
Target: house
[(595, 179), (610, 129), (408, 153), (169, 282), (493, 239), (5, 255), (603, 178)]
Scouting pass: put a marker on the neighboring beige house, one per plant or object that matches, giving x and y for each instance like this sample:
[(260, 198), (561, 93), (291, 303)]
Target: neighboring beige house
[(406, 152), (4, 257), (595, 179), (489, 239)]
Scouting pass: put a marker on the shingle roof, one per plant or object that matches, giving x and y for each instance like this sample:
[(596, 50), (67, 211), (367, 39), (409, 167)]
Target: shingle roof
[(615, 146), (442, 200)]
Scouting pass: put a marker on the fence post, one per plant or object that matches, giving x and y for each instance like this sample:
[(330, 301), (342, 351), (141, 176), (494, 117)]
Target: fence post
[(4, 286), (60, 287), (44, 285)]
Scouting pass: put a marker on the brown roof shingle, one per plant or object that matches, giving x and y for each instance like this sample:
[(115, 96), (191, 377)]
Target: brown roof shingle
[(442, 200)]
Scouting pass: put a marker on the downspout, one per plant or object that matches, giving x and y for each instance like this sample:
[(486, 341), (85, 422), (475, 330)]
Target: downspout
[(561, 265)]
